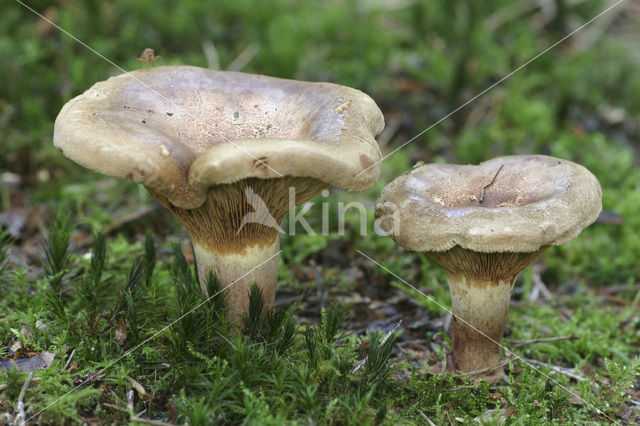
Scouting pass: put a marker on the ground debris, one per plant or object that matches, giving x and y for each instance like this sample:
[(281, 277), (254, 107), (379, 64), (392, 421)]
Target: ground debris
[(35, 362)]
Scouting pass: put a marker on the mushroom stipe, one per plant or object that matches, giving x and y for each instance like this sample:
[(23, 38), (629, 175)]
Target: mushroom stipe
[(217, 224), (481, 302), (229, 246)]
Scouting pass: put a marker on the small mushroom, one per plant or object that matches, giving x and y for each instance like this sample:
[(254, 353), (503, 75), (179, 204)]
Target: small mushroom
[(484, 224), (221, 151)]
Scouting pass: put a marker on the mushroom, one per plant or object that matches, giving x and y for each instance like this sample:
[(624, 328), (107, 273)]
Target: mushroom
[(221, 151), (484, 224)]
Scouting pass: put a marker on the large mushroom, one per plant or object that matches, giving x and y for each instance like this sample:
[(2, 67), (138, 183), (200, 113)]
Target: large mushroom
[(484, 224), (222, 151)]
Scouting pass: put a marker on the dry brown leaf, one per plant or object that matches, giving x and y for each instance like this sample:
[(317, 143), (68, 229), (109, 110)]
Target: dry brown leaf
[(142, 393), (41, 360), (121, 332), (575, 398)]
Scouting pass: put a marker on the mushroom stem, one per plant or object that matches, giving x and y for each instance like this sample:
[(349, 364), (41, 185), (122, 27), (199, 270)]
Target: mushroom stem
[(235, 234), (236, 272), (480, 310), (480, 285)]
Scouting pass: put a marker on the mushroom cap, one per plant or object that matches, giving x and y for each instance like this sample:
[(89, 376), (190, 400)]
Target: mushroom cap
[(533, 202), (180, 129)]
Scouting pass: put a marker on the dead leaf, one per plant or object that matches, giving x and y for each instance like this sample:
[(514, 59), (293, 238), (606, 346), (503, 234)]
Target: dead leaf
[(147, 55), (15, 345), (612, 116), (89, 378), (45, 23), (503, 415), (42, 360), (610, 218), (121, 332), (14, 220), (7, 179), (437, 368), (142, 393), (187, 252), (34, 380), (171, 406), (26, 332), (496, 396), (575, 398)]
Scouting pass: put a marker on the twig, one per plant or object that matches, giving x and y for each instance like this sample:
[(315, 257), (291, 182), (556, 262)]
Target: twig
[(384, 340), (244, 58), (115, 407), (488, 369), (585, 39), (142, 392), (3, 386), (69, 360), (518, 343), (20, 417), (511, 12), (211, 53), (619, 288), (125, 218), (318, 279), (618, 300), (136, 418), (481, 197), (538, 325), (427, 419), (150, 422), (390, 130), (539, 287), (463, 387), (560, 370), (130, 401)]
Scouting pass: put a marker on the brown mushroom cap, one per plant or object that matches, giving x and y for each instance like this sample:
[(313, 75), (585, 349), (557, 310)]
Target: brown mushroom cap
[(535, 201), (180, 130)]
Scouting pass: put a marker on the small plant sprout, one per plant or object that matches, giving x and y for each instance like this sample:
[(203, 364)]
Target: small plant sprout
[(484, 224), (223, 151), (57, 251), (147, 55)]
